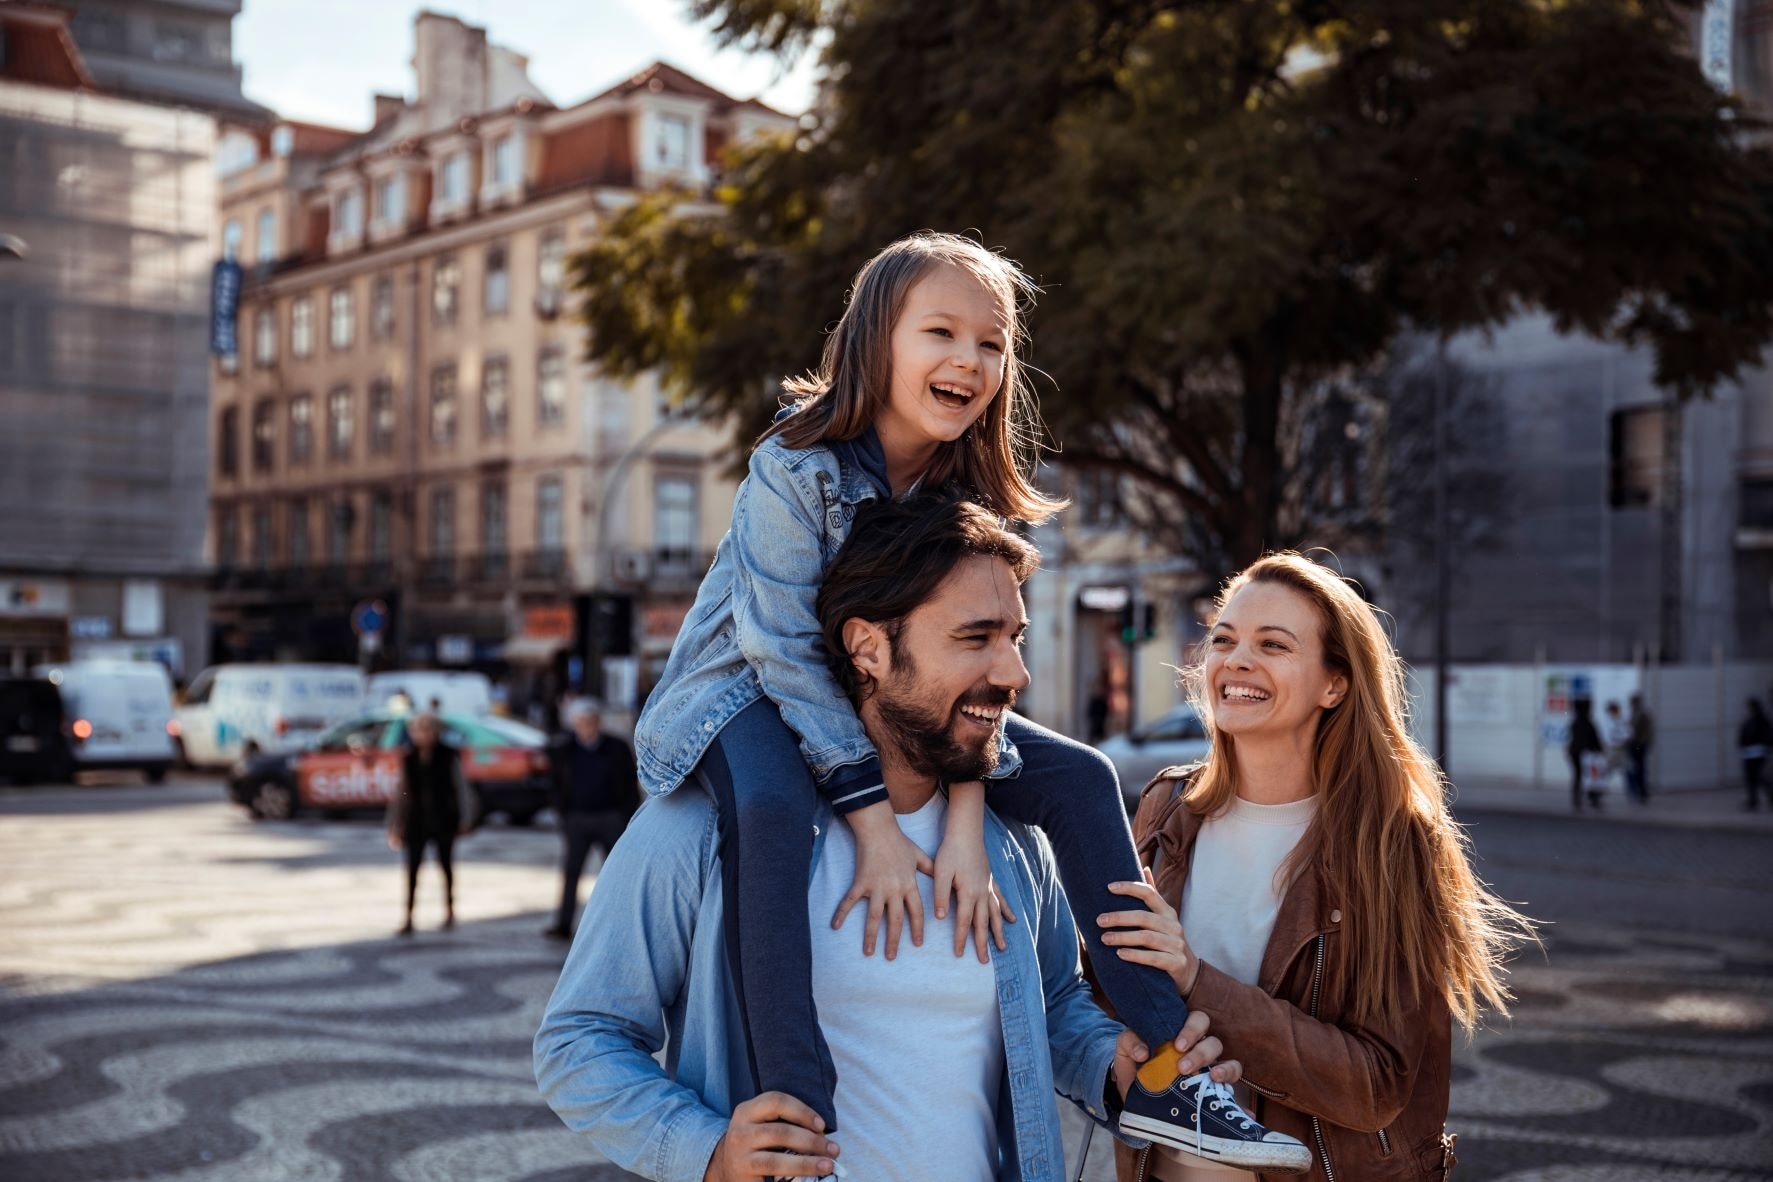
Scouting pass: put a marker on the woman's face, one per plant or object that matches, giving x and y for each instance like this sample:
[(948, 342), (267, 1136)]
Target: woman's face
[(1265, 673)]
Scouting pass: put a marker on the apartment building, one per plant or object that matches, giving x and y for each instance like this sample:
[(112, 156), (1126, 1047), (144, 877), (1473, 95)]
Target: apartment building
[(408, 420)]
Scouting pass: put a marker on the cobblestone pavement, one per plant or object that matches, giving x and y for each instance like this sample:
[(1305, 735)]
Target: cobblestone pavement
[(185, 995)]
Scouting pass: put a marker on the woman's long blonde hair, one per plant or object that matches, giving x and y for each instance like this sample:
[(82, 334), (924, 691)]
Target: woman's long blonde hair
[(994, 460), (1390, 854)]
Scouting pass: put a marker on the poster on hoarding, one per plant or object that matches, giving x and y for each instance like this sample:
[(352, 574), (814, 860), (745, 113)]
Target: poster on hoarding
[(1599, 684)]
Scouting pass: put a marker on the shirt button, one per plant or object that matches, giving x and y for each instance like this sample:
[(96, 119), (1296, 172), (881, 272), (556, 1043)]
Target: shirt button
[(1335, 917), (707, 726)]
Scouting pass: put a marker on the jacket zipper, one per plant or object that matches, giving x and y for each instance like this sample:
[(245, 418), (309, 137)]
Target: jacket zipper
[(1384, 1143), (1317, 1128)]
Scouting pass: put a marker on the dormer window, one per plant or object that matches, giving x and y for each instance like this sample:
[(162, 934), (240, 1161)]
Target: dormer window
[(282, 141), (504, 161), (454, 181), (349, 212), (391, 200), (672, 142)]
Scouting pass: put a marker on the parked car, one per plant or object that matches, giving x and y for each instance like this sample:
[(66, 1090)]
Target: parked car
[(455, 691), (1171, 740), (33, 732), (356, 766), (118, 714), (230, 712)]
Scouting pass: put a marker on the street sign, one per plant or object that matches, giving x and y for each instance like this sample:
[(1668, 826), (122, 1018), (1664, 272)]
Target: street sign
[(369, 617)]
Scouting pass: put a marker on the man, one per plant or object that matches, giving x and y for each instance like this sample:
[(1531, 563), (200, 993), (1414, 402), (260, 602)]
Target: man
[(433, 807), (598, 792), (1637, 751), (945, 1066)]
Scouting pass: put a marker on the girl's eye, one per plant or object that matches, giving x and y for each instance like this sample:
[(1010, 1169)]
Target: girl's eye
[(941, 332), (993, 345)]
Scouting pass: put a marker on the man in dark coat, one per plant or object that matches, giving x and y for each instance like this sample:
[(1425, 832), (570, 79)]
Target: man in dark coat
[(597, 792), (433, 807)]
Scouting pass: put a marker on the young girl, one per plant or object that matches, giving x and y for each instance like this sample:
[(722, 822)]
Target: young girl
[(1311, 889), (920, 387)]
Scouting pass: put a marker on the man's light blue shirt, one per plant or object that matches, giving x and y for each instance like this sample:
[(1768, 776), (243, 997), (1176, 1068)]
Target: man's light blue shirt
[(648, 971)]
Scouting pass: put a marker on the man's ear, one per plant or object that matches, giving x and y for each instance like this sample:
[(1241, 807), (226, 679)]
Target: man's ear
[(867, 646)]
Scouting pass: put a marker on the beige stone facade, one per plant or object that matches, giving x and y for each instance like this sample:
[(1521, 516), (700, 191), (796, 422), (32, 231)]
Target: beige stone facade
[(408, 418)]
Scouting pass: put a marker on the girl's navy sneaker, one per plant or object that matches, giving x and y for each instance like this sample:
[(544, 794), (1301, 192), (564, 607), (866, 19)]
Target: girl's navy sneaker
[(1201, 1116)]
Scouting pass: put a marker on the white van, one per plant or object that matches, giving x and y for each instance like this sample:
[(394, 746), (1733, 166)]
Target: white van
[(232, 712), (455, 691), (118, 714)]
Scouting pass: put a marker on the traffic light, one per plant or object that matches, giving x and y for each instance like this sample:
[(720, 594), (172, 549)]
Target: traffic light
[(1138, 622)]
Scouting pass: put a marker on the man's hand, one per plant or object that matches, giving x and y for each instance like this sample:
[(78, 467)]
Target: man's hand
[(887, 866), (1199, 1049), (772, 1136)]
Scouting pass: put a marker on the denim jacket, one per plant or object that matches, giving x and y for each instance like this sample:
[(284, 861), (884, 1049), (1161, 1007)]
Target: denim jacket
[(753, 629), (649, 971)]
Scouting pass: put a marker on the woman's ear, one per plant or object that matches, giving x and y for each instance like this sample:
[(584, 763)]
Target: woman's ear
[(867, 647), (1338, 689)]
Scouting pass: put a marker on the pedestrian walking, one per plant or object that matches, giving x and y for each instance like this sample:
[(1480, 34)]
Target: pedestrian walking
[(1752, 741), (598, 792), (1587, 755), (433, 807), (1637, 751), (1309, 889)]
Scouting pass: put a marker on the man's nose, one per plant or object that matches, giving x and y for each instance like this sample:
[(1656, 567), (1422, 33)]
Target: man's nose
[(1010, 672)]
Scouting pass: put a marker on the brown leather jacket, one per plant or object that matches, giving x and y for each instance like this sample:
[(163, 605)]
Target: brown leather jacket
[(1370, 1101)]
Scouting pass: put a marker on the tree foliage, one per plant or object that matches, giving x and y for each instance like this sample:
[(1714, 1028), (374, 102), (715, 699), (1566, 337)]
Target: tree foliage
[(1229, 202)]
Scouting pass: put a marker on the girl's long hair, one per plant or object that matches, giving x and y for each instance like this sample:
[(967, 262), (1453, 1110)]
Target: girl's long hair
[(993, 461), (1389, 852)]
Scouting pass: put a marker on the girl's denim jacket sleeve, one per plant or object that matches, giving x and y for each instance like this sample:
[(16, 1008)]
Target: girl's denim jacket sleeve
[(753, 630), (648, 971)]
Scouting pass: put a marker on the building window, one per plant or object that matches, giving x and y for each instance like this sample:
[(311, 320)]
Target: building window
[(550, 528), (381, 417), (455, 178), (443, 406), (495, 397), (381, 308), (1098, 499), (227, 443), (261, 536), (674, 518), (673, 141), (497, 293), (264, 335), (342, 324), (267, 236), (264, 434), (298, 533), (381, 527), (391, 200), (493, 538), (1755, 504), (446, 282), (1635, 439), (231, 239), (551, 387), (443, 522), (301, 429), (551, 263), (339, 520), (349, 212), (227, 536), (338, 423), (301, 326), (504, 157)]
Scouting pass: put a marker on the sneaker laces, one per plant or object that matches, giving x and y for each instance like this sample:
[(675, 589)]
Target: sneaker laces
[(1224, 1099)]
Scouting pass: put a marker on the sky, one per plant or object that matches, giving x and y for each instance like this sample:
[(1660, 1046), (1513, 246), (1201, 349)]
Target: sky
[(321, 60)]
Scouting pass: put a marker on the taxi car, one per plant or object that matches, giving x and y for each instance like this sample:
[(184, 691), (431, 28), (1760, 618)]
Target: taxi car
[(356, 766)]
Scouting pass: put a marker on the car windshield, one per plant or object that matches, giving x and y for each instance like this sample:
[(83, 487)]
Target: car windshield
[(339, 735), (1181, 723)]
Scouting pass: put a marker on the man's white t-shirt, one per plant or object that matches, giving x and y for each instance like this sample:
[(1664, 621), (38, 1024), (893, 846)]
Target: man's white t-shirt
[(916, 1041), (1228, 910)]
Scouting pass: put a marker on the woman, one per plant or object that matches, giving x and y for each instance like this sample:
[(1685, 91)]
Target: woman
[(1752, 740), (433, 807), (1329, 920)]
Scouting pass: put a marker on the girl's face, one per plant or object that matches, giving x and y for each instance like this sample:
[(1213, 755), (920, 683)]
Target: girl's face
[(949, 346), (1265, 670)]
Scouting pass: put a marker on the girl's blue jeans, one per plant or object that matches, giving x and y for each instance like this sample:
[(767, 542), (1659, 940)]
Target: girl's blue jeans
[(766, 799)]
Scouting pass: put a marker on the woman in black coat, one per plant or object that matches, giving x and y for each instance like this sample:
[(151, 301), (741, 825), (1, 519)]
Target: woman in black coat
[(1585, 739), (433, 807)]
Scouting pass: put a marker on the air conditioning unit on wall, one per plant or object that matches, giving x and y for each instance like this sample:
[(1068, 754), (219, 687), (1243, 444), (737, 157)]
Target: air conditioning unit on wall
[(632, 566)]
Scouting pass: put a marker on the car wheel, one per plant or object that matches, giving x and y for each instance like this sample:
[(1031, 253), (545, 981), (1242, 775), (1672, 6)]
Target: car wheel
[(523, 818), (273, 802), (179, 759), (155, 775)]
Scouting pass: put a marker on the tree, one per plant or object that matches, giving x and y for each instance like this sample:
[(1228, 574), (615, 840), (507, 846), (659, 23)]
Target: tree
[(1231, 202)]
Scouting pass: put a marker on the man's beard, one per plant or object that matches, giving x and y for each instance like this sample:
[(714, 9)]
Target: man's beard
[(923, 737)]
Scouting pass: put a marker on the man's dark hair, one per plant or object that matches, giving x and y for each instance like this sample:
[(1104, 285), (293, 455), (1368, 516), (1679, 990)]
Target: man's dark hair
[(897, 554)]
